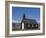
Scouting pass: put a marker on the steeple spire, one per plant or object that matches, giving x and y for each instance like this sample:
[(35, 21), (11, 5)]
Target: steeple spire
[(24, 16)]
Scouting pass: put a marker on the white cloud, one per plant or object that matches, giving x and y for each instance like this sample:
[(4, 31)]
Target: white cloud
[(16, 21), (38, 21)]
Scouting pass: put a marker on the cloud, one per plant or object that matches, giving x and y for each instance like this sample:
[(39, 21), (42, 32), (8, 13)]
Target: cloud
[(16, 21), (38, 21)]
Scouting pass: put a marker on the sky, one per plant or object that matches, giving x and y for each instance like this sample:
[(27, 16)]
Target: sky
[(30, 13)]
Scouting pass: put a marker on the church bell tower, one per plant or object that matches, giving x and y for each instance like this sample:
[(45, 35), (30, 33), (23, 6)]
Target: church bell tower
[(23, 16)]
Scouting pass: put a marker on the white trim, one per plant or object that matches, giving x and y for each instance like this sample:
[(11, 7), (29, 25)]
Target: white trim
[(29, 31), (22, 26)]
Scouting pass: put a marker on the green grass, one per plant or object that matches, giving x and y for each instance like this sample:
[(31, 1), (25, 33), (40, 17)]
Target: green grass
[(24, 29)]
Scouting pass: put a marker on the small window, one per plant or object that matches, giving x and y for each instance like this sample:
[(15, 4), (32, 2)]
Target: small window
[(30, 25)]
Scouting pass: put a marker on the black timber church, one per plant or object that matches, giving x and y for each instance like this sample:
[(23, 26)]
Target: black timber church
[(27, 24)]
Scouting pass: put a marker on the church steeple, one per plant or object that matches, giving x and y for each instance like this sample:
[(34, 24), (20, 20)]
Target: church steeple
[(23, 16)]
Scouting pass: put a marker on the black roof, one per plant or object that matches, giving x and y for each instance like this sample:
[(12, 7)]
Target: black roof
[(31, 21)]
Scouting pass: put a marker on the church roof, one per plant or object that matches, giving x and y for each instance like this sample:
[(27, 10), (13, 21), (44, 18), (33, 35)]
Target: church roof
[(26, 20), (31, 21)]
